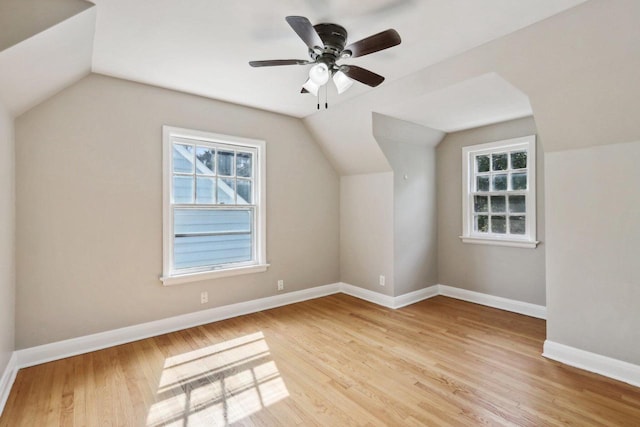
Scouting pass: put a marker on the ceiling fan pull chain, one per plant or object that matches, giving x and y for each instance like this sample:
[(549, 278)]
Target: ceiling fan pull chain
[(326, 97)]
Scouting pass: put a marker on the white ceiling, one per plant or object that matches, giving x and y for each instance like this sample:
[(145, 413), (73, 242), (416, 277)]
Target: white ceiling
[(203, 47), (479, 101)]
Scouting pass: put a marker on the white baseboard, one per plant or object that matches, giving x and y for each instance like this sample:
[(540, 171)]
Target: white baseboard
[(6, 380), (367, 295), (416, 296), (593, 362), (520, 307), (389, 301), (72, 347)]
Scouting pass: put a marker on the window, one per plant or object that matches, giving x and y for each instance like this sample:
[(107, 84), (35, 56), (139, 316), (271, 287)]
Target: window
[(214, 203), (498, 194)]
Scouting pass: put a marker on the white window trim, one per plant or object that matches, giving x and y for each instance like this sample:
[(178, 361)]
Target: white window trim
[(172, 278), (468, 234)]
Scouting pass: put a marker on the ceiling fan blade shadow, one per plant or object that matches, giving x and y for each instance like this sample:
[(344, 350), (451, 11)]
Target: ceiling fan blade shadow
[(275, 62), (374, 43), (305, 31), (362, 75)]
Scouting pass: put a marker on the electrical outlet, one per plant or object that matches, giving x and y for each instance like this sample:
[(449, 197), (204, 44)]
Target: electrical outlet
[(381, 280), (280, 285), (204, 297)]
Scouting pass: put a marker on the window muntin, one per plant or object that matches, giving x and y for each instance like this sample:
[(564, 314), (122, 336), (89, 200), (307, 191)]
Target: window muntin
[(214, 196), (499, 192)]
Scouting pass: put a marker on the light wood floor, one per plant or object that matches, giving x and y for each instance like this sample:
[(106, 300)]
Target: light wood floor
[(334, 361)]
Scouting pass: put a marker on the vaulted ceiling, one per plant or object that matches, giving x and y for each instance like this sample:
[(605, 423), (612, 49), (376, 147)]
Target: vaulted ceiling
[(203, 47)]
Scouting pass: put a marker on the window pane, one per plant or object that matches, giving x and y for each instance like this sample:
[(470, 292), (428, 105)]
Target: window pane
[(182, 158), (498, 224), (481, 204), (483, 163), (182, 189), (243, 164), (517, 224), (205, 190), (499, 182), (517, 204), (202, 251), (482, 223), (482, 183), (498, 204), (226, 191), (244, 192), (205, 161), (499, 162), (519, 160), (189, 221), (519, 181), (225, 163), (226, 237)]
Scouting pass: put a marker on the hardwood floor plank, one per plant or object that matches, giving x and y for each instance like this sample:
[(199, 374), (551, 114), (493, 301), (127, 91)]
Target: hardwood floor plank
[(335, 360)]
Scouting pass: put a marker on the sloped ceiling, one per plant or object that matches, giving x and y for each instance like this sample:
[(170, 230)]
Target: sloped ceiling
[(479, 101), (53, 57), (21, 19)]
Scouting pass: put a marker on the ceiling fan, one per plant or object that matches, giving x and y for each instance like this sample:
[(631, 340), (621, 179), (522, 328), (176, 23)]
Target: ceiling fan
[(327, 45)]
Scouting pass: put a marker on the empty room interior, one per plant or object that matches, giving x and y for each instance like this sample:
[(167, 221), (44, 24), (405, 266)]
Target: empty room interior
[(319, 212)]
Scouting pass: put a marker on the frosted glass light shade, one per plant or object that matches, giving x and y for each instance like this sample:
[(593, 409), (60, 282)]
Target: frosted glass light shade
[(311, 87), (341, 81), (319, 74)]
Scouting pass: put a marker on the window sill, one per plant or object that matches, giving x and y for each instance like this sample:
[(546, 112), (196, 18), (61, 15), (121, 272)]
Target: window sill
[(213, 274), (500, 242)]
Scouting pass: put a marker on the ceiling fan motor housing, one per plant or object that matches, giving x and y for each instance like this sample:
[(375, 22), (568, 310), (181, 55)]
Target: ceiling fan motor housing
[(334, 38)]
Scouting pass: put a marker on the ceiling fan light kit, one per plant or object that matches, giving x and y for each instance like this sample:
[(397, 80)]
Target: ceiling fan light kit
[(341, 81), (319, 73), (310, 87), (327, 45)]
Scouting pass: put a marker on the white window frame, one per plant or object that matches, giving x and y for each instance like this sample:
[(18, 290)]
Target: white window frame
[(469, 235), (259, 264)]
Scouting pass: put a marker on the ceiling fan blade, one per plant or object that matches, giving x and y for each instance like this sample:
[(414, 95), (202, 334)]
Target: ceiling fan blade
[(374, 43), (305, 31), (274, 62), (362, 75)]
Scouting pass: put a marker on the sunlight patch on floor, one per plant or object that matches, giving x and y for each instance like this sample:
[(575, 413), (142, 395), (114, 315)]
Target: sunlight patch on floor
[(217, 385)]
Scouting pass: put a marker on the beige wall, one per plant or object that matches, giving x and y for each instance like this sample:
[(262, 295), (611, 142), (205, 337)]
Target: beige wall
[(593, 229), (366, 231), (7, 234), (507, 272), (410, 150), (89, 209)]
